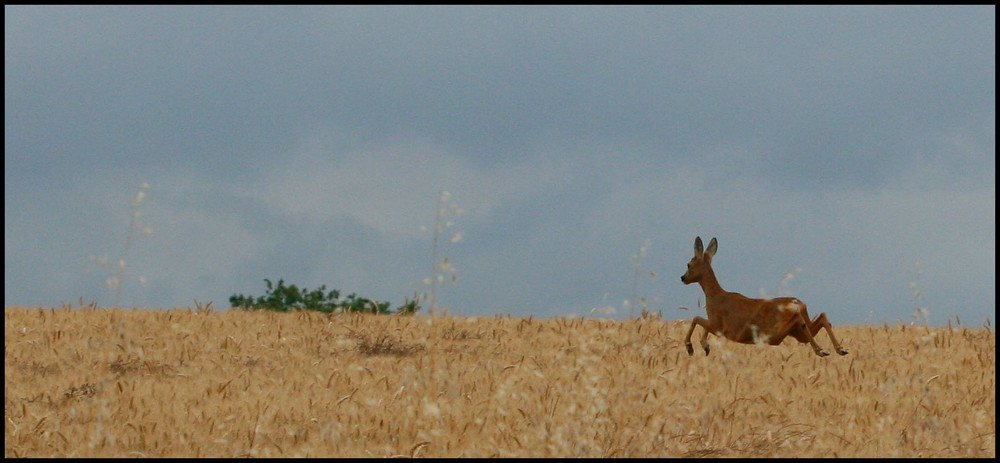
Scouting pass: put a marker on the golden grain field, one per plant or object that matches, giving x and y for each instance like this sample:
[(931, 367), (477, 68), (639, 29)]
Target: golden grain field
[(90, 382)]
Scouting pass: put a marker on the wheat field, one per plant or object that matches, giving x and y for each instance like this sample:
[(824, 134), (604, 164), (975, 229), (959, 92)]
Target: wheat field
[(93, 382)]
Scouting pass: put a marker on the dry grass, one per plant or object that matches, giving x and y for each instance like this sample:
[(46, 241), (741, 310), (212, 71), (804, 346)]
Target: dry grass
[(189, 383)]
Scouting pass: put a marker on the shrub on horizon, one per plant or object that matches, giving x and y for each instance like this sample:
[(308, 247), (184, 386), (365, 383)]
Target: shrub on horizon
[(283, 298)]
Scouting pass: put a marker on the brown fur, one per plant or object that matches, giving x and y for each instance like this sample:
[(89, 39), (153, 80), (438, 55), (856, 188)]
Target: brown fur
[(745, 320)]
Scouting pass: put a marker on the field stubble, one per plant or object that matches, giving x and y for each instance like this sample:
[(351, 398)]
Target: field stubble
[(187, 383)]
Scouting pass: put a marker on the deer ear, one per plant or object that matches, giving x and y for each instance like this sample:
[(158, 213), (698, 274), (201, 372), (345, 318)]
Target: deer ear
[(712, 247), (698, 247)]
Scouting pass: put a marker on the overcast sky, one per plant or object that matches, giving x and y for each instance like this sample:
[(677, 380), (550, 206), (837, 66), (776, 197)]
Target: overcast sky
[(851, 147)]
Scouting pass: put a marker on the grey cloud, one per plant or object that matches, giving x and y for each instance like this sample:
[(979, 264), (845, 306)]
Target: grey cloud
[(313, 141)]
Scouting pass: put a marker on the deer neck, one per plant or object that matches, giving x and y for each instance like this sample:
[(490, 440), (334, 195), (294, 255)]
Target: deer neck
[(710, 285)]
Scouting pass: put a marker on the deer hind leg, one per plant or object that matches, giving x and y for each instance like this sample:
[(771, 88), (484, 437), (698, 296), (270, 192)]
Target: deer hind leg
[(821, 322), (802, 330), (698, 321)]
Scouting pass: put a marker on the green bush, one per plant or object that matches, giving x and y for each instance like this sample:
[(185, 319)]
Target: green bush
[(283, 298)]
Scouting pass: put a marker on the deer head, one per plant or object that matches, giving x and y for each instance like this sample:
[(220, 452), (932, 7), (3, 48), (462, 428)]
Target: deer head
[(700, 264)]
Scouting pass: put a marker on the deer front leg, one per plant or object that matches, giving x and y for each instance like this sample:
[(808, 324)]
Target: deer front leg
[(697, 321)]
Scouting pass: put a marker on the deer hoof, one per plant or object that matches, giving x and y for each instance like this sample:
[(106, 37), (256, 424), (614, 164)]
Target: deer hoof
[(689, 348), (841, 351), (822, 353), (706, 348)]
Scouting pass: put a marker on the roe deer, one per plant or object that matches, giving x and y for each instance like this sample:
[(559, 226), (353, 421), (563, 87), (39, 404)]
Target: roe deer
[(745, 320)]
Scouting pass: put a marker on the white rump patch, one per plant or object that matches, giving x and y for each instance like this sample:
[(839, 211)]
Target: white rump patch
[(794, 306)]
